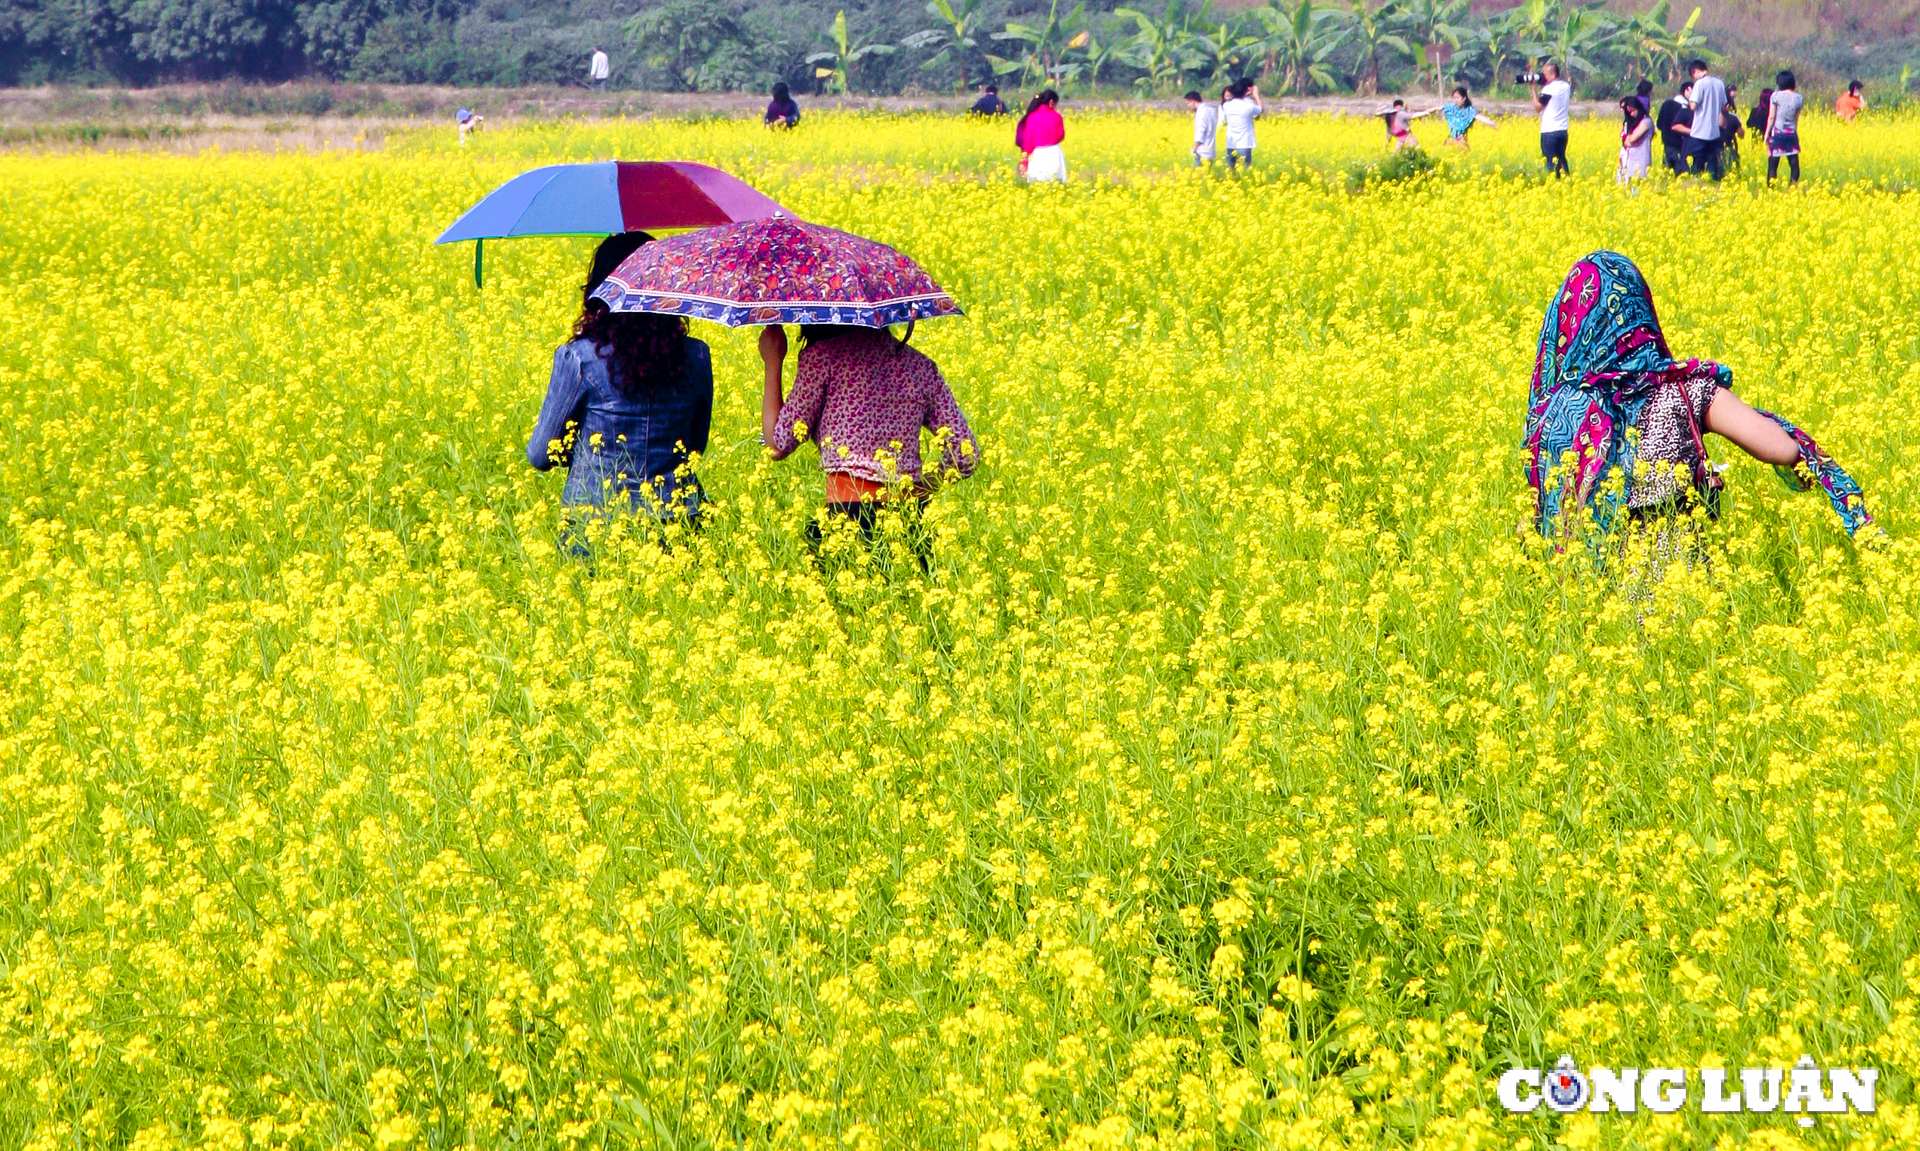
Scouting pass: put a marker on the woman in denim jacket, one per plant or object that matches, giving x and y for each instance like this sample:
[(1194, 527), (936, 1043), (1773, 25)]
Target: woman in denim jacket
[(629, 405)]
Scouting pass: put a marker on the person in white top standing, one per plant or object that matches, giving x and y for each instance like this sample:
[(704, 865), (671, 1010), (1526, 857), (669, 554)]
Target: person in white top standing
[(1206, 128), (1553, 97), (599, 69), (1704, 141), (1236, 118)]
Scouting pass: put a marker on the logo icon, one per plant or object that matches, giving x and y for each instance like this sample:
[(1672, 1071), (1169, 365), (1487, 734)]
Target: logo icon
[(1566, 1087)]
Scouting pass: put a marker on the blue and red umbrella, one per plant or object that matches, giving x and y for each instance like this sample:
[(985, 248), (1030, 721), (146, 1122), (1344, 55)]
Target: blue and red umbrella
[(775, 271), (599, 199)]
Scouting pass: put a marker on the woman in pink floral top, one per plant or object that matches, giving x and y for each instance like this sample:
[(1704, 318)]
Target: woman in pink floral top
[(864, 397)]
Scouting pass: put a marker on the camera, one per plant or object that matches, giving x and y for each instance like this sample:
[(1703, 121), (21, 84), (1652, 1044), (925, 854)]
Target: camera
[(1528, 78)]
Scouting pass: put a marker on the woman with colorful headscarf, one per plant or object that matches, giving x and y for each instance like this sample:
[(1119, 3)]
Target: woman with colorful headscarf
[(1603, 368)]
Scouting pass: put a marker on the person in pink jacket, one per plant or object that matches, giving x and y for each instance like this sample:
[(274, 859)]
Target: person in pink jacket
[(1038, 137)]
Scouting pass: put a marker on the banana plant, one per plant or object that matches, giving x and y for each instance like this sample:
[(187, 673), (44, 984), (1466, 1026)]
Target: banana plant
[(1095, 56), (1296, 44), (1579, 36), (1370, 31), (1224, 50), (1161, 47), (1655, 46), (958, 36), (1433, 23), (1042, 45), (835, 66), (1498, 41)]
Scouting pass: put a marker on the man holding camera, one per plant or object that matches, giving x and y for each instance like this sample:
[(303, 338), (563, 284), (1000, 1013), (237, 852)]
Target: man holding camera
[(1553, 95), (1705, 140)]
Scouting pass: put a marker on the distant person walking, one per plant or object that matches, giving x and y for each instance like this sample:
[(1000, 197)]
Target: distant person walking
[(1852, 102), (1643, 92), (1676, 120), (989, 103), (599, 69), (1038, 136), (1783, 128), (1460, 116), (1636, 141), (1237, 115), (1206, 129), (783, 111), (1704, 140), (1554, 98)]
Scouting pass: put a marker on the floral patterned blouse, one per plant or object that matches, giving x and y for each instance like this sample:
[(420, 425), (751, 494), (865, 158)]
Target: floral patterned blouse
[(864, 397)]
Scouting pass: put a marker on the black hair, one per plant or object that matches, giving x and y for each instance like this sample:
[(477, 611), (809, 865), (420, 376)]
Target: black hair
[(1644, 88), (811, 334), (1192, 95), (1697, 65), (1464, 95), (1046, 96), (993, 89), (1784, 80), (780, 90), (1854, 86), (1239, 88), (1635, 113), (609, 255), (646, 349)]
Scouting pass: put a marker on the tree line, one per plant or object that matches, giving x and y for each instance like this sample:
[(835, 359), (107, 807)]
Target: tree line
[(870, 47)]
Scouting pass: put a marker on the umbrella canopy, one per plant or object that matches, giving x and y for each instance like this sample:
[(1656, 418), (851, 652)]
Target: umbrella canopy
[(610, 196), (775, 271)]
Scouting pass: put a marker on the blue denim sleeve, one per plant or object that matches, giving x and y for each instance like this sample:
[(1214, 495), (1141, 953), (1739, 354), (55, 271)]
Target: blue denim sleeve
[(700, 383), (566, 403)]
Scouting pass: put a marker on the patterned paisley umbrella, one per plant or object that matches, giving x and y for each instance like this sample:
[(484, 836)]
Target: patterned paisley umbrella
[(775, 271)]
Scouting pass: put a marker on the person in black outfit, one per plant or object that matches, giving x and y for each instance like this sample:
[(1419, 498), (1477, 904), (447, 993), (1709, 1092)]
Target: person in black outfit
[(1732, 127), (1675, 121), (989, 103), (782, 111)]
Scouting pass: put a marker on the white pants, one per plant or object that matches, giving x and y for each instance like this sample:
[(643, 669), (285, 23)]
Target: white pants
[(1047, 163)]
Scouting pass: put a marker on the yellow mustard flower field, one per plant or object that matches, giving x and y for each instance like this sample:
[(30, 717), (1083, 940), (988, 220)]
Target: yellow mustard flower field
[(1237, 777)]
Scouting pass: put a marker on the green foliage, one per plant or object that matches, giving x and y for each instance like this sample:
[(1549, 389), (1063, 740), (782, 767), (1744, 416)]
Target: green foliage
[(1403, 164), (686, 46), (875, 46)]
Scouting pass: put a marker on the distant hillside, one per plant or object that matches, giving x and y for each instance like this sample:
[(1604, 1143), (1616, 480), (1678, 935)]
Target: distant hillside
[(893, 46)]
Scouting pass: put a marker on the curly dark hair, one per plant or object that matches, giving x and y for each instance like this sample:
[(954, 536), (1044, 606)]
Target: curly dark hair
[(647, 350)]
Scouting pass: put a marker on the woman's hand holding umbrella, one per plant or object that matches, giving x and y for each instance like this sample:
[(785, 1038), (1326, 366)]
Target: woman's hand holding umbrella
[(773, 353)]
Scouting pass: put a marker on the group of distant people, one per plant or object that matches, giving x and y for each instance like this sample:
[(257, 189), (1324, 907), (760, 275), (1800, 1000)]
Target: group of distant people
[(1227, 124), (1700, 127)]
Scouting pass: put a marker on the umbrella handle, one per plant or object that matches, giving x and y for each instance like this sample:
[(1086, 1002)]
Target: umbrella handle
[(477, 246), (908, 335)]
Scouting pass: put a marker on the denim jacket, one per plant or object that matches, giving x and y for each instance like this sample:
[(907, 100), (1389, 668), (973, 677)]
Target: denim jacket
[(640, 440)]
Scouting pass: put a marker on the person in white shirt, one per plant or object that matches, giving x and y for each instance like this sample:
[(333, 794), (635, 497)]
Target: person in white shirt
[(1206, 128), (1236, 118), (599, 69), (1704, 141), (1553, 98)]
